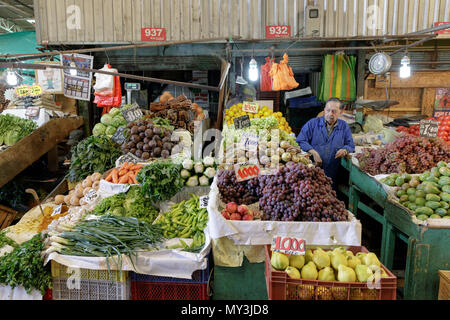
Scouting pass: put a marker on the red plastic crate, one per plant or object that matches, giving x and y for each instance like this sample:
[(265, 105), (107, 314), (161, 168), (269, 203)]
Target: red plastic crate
[(281, 287), (48, 295), (168, 291)]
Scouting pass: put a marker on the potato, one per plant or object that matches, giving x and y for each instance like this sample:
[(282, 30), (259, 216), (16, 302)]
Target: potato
[(85, 191), (96, 177), (86, 183), (79, 193), (71, 192), (96, 185), (59, 199), (67, 199), (75, 201), (79, 187)]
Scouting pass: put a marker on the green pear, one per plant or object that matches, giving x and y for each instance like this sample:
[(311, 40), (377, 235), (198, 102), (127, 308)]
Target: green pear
[(346, 274), (363, 272), (337, 259), (327, 274), (321, 259), (308, 255), (384, 273), (341, 250), (353, 261), (360, 256), (293, 273), (371, 259), (309, 271), (279, 260), (296, 261)]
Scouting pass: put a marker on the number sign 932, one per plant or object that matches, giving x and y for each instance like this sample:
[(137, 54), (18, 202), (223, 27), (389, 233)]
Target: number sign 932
[(278, 32), (288, 245)]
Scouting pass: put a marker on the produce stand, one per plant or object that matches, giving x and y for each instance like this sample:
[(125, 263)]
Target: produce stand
[(428, 247), (32, 147)]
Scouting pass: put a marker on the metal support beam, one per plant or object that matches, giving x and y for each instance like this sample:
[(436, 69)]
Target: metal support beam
[(9, 26)]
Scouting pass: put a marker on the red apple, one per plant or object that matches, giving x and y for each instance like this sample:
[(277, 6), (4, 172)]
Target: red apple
[(232, 207), (226, 215), (248, 217), (243, 209), (236, 216)]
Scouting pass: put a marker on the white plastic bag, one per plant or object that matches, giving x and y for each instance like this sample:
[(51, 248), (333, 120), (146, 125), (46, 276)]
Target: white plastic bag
[(104, 83)]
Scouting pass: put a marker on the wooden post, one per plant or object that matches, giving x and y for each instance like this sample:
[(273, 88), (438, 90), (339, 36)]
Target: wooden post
[(219, 122)]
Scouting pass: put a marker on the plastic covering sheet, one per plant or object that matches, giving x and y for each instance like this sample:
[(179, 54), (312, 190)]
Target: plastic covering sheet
[(18, 293), (262, 232)]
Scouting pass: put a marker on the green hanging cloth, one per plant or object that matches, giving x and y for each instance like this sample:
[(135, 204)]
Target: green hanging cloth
[(338, 78)]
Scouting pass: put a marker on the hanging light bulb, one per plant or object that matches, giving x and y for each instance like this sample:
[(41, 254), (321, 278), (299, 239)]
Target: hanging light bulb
[(11, 78), (405, 69), (253, 71), (73, 72)]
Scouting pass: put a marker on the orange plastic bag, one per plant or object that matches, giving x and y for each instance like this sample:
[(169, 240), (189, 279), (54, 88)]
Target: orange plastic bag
[(282, 75), (266, 81)]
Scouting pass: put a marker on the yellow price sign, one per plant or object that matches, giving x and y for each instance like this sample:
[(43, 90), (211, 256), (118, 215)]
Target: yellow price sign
[(35, 90), (23, 91), (250, 107)]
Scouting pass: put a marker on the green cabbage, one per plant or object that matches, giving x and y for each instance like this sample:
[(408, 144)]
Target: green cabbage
[(114, 111), (110, 130), (106, 119), (99, 129), (118, 121)]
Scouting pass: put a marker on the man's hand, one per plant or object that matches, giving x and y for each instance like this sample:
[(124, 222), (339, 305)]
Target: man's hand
[(316, 156), (342, 153)]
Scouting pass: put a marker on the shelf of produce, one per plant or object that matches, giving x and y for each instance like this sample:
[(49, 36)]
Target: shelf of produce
[(34, 146), (428, 247)]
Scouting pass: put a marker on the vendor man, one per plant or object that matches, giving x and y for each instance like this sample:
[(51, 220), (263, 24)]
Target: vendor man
[(328, 139)]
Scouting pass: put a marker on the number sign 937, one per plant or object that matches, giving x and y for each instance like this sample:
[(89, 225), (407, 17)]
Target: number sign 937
[(153, 34), (288, 245)]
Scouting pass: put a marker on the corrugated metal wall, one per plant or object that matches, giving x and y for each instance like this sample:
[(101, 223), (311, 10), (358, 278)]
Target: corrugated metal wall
[(120, 21)]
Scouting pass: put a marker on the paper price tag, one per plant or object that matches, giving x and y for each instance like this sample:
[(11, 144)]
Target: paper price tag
[(249, 140), (242, 122), (119, 137), (288, 245), (22, 91), (57, 210), (91, 195), (429, 128), (35, 91), (132, 114), (129, 157), (250, 107), (204, 200), (246, 171), (32, 112)]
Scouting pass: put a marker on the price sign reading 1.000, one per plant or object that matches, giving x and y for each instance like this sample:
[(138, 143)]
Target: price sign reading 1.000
[(246, 171), (288, 245), (278, 32), (153, 34)]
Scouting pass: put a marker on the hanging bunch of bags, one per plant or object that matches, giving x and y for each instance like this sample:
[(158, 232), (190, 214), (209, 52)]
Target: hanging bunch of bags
[(108, 92), (282, 75)]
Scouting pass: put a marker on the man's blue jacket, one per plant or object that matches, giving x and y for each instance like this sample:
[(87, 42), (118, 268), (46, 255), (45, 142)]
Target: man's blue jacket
[(314, 135)]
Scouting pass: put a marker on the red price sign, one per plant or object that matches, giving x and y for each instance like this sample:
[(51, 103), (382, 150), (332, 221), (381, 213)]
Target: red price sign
[(246, 171), (153, 34), (250, 107), (445, 31), (278, 32), (288, 245)]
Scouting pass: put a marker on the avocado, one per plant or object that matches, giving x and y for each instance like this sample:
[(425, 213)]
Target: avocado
[(411, 191), (420, 202), (399, 181), (424, 175), (431, 189), (412, 198), (445, 205), (446, 188), (445, 196), (433, 204), (422, 217), (444, 180), (404, 198), (441, 211), (420, 194), (401, 193), (432, 179), (444, 171), (424, 210), (432, 197), (413, 206), (435, 172), (435, 216)]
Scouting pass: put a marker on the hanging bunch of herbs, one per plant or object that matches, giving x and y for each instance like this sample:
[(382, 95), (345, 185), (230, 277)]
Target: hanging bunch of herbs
[(93, 154)]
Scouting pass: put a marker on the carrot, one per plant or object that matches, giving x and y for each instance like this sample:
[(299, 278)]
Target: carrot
[(133, 179), (115, 175), (123, 180), (109, 177), (136, 167), (128, 166), (122, 172), (124, 165), (130, 181)]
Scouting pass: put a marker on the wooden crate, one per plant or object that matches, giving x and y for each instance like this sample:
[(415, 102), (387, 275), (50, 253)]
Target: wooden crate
[(7, 216), (444, 285)]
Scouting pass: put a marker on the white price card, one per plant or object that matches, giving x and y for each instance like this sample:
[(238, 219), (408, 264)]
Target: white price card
[(57, 210), (91, 195), (204, 200), (288, 245)]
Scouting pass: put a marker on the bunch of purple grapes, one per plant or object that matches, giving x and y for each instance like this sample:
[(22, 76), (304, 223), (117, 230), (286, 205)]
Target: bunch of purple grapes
[(295, 193), (407, 153)]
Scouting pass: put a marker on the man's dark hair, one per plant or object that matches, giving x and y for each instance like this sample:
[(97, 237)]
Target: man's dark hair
[(341, 104)]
